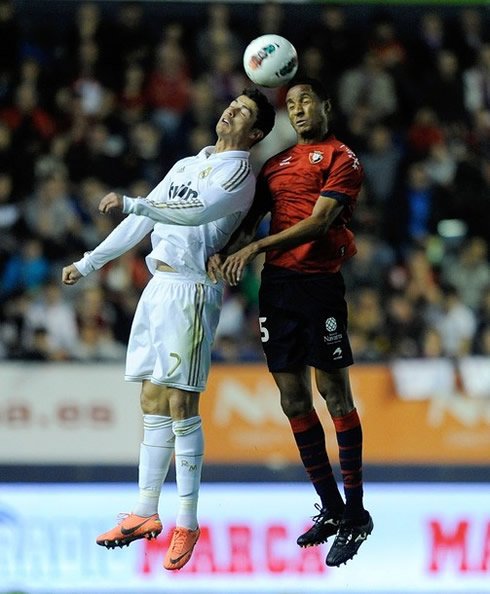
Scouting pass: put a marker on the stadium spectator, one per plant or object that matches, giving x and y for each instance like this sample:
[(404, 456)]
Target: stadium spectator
[(468, 271), (381, 160), (368, 86), (339, 41), (456, 324), (49, 311), (476, 81), (443, 90), (470, 33), (25, 271), (169, 89)]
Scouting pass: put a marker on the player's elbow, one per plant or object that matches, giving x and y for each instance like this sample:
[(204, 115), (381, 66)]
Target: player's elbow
[(321, 226)]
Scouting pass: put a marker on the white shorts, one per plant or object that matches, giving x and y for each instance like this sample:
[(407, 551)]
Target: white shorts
[(172, 332)]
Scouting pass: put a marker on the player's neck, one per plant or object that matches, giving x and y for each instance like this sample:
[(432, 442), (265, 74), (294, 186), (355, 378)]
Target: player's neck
[(312, 138), (228, 144)]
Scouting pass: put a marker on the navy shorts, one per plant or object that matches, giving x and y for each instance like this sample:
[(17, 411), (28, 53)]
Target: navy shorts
[(303, 320)]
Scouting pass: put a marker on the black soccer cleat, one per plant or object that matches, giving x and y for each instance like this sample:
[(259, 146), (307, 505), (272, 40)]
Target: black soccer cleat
[(348, 540), (325, 524)]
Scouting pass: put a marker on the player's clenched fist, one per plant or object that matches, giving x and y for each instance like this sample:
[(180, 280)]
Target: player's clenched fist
[(110, 202), (70, 275)]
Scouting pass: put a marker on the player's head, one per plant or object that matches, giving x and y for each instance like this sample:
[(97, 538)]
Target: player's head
[(266, 114), (308, 105), (247, 120)]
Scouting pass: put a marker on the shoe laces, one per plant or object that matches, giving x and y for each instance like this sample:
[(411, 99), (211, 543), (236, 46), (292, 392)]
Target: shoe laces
[(122, 516), (179, 537), (321, 512), (345, 533)]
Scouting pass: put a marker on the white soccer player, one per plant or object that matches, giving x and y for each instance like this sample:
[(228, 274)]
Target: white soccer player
[(194, 211)]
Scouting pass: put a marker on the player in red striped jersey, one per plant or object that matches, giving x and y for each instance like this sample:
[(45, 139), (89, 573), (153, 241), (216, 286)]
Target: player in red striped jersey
[(310, 189)]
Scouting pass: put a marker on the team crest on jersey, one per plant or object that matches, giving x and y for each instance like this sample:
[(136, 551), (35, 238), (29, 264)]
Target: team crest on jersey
[(315, 156), (205, 172)]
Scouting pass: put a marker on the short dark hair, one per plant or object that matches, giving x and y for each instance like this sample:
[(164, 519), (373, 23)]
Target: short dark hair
[(266, 114), (317, 86)]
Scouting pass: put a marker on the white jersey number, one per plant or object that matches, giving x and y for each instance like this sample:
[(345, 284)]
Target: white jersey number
[(264, 333)]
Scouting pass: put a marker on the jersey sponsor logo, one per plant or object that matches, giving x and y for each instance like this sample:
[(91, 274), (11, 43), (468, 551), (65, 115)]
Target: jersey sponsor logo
[(315, 157), (286, 161), (182, 192), (332, 337), (205, 172), (337, 354)]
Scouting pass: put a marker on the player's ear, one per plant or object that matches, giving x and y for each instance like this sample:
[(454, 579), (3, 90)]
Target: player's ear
[(328, 106), (256, 135)]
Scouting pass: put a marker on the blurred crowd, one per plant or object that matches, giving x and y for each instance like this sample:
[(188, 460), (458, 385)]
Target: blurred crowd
[(112, 96)]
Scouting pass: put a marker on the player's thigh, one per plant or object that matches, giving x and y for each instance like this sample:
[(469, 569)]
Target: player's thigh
[(281, 329), (154, 399), (328, 341), (140, 356), (168, 401), (184, 323)]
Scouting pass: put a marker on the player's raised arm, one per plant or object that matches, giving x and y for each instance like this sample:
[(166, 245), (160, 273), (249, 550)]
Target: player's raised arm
[(124, 237)]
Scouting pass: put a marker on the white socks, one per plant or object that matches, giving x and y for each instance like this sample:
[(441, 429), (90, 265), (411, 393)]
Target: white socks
[(161, 437), (189, 451), (156, 453)]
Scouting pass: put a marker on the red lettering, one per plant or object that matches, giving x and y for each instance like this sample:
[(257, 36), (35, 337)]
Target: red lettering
[(18, 413), (240, 549), (274, 563), (443, 543), (154, 551), (311, 560), (69, 413), (202, 560), (485, 565), (101, 414)]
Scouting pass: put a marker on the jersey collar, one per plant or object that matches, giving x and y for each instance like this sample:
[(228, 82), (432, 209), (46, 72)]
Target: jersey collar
[(208, 151)]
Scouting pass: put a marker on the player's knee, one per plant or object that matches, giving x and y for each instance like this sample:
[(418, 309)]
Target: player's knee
[(339, 404), (294, 408), (153, 400)]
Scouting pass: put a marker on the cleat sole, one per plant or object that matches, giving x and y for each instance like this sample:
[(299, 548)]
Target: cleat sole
[(112, 544)]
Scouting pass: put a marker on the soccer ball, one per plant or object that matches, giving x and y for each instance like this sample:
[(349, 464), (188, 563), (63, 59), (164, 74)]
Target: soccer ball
[(270, 60)]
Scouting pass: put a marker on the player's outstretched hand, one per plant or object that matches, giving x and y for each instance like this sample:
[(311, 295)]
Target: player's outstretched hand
[(110, 202), (70, 275), (234, 265), (214, 267)]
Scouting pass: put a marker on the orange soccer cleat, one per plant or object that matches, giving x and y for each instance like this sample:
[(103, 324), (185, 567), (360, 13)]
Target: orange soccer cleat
[(181, 547), (129, 528)]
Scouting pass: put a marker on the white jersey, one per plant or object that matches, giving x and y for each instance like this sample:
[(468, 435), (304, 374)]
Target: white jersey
[(192, 212)]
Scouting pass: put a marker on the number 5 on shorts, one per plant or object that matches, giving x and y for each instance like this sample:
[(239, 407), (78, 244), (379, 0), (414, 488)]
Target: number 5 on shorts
[(264, 333)]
